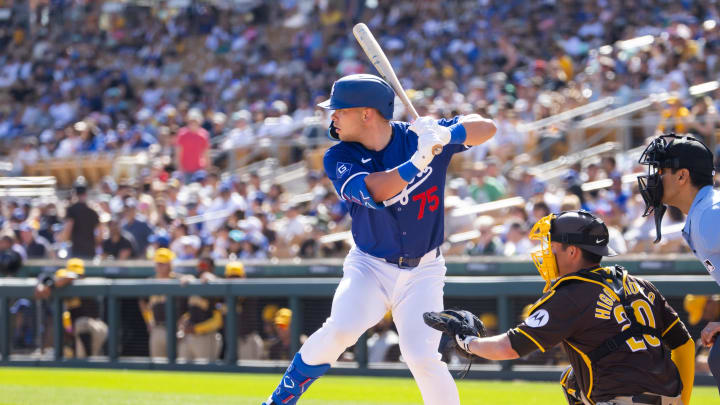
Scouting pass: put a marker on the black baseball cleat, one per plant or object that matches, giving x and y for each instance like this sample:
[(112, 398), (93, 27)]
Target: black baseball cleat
[(269, 401)]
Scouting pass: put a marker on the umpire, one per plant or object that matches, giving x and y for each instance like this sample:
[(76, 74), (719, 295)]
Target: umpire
[(680, 174), (625, 343)]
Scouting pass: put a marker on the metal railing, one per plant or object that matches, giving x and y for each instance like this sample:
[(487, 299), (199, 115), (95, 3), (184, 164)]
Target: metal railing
[(500, 289)]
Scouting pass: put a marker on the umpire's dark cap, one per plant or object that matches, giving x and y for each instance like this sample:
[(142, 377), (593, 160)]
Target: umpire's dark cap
[(689, 153)]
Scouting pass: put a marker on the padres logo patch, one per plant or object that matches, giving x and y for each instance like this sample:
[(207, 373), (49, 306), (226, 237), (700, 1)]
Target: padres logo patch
[(342, 169), (538, 318)]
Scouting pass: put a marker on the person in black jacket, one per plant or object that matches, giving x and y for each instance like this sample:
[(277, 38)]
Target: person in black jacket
[(81, 222)]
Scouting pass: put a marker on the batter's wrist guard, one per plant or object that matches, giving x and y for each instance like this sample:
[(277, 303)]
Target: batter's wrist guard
[(296, 381), (407, 171), (458, 135)]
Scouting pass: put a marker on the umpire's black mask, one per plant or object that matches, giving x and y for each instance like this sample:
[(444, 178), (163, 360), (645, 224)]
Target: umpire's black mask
[(672, 152)]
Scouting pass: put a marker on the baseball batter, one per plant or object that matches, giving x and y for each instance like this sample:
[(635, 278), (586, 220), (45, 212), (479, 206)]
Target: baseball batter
[(395, 185), (625, 343), (680, 174)]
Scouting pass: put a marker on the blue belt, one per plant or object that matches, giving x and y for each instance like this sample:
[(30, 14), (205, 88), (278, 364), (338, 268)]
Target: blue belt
[(409, 263)]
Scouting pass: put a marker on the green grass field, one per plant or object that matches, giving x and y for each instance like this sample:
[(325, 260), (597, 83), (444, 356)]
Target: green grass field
[(111, 387)]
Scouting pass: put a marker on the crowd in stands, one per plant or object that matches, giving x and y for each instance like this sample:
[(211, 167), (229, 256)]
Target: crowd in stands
[(190, 87)]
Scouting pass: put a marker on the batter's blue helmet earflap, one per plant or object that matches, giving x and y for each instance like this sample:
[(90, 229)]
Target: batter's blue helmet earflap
[(671, 151), (361, 90)]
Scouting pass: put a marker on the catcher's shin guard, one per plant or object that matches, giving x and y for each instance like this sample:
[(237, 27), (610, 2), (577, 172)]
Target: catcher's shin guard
[(296, 381), (570, 387)]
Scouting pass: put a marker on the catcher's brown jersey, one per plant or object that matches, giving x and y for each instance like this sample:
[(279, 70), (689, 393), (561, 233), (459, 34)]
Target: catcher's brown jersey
[(582, 313)]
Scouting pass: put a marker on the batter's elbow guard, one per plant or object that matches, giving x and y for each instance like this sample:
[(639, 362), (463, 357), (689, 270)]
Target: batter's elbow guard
[(355, 190), (570, 387)]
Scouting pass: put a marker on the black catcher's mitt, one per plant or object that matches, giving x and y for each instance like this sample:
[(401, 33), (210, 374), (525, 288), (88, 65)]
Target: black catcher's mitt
[(452, 323)]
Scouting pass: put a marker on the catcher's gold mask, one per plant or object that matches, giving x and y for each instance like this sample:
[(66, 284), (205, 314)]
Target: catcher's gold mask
[(544, 258)]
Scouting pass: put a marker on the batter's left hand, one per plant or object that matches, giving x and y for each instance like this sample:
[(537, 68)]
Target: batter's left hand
[(709, 332), (430, 125)]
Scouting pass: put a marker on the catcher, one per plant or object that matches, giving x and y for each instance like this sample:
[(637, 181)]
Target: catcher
[(625, 343)]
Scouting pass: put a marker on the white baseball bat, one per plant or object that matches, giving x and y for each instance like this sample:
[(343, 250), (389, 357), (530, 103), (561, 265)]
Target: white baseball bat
[(376, 55)]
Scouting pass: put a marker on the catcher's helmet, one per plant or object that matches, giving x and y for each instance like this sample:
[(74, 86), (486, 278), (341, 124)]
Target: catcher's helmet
[(361, 90), (579, 228)]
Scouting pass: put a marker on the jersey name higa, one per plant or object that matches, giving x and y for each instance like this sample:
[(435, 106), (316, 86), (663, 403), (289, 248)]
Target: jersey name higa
[(411, 222)]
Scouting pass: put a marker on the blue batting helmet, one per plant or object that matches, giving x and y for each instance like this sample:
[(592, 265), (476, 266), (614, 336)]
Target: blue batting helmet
[(361, 90)]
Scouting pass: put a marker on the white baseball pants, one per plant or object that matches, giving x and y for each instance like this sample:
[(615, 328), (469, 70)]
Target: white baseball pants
[(369, 288)]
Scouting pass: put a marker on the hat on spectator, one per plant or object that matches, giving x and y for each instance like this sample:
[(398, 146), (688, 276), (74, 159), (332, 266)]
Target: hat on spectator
[(163, 255), (241, 115), (283, 317), (225, 187), (199, 176), (76, 266), (80, 126), (64, 273), (268, 312), (80, 185), (195, 115), (144, 114), (47, 135), (278, 106), (190, 240), (219, 118), (237, 235), (161, 238), (234, 269)]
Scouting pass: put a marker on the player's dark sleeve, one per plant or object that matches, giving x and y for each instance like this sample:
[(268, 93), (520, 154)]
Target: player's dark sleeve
[(522, 343), (552, 318), (672, 330)]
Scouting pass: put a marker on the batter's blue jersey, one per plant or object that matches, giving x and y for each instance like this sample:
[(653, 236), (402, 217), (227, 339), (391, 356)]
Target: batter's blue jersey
[(702, 229), (412, 222)]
